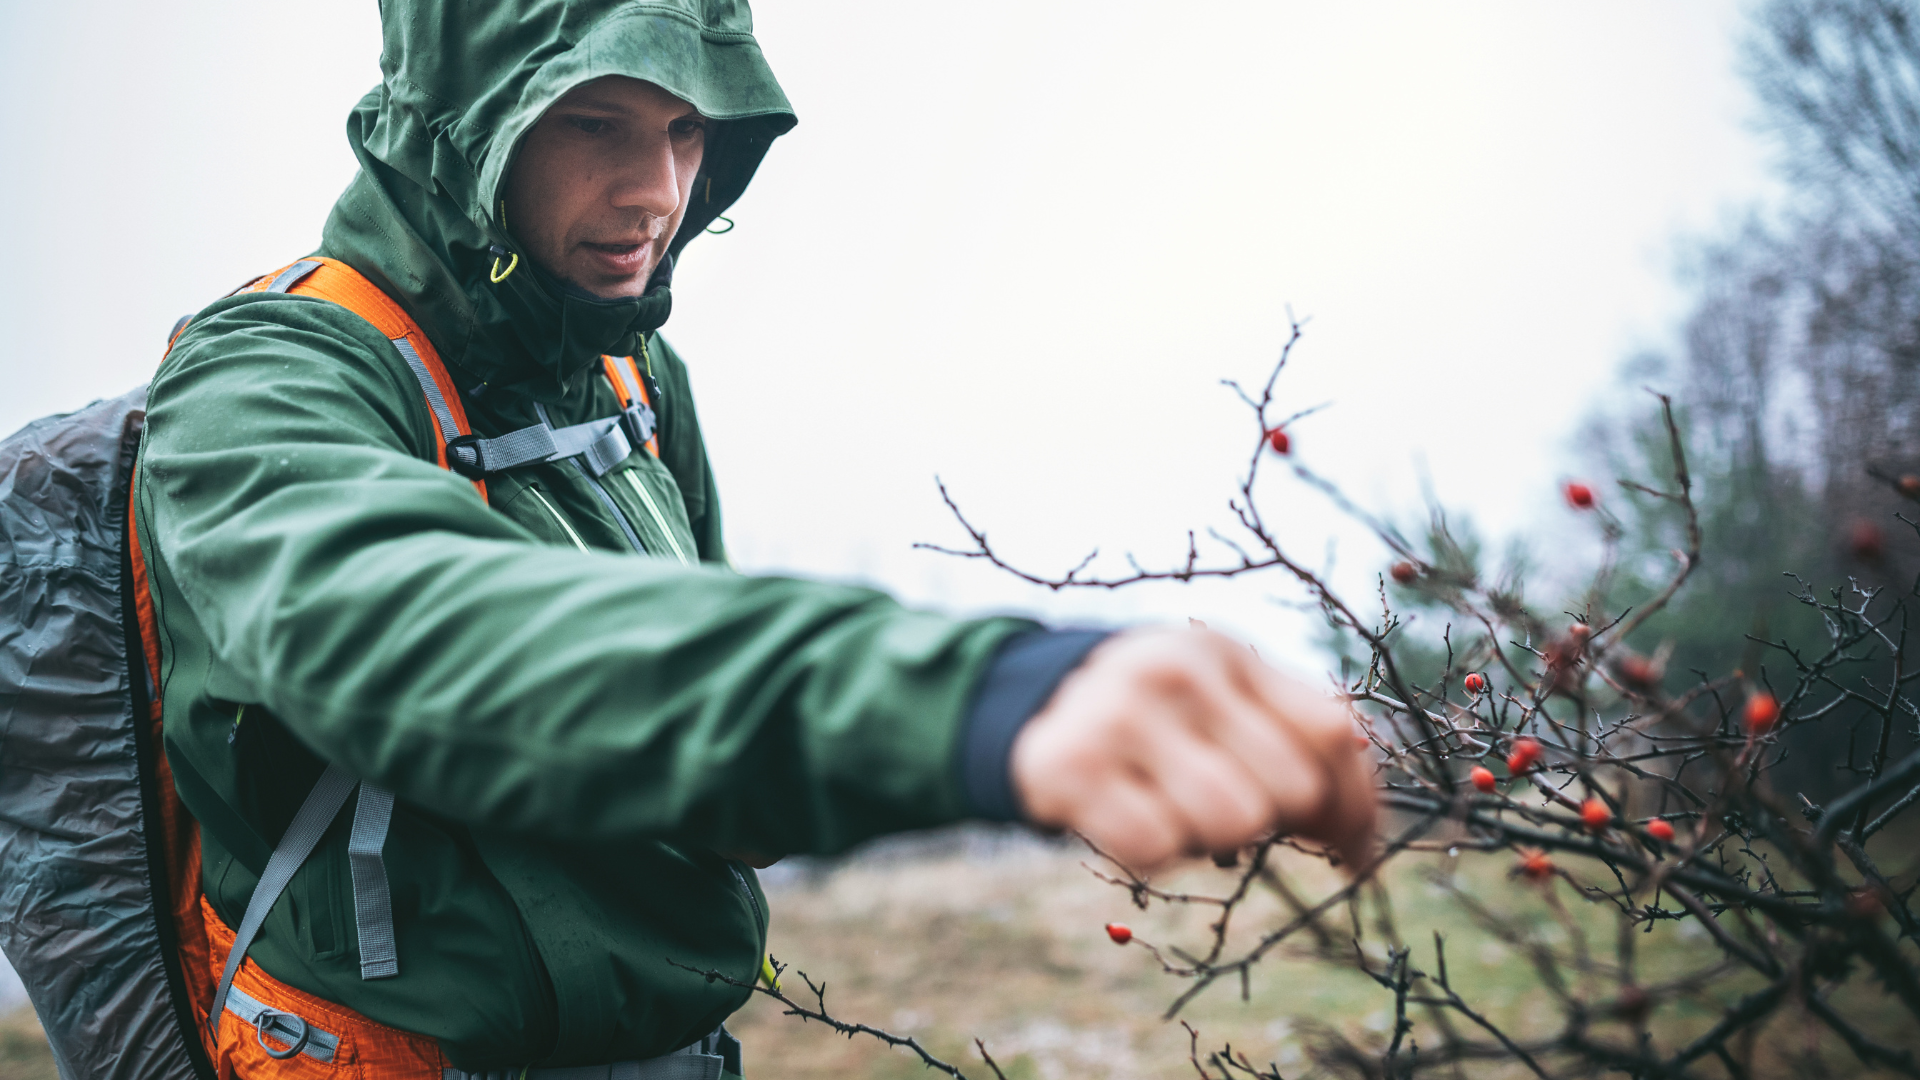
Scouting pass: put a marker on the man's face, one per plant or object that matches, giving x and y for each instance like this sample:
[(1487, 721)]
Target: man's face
[(602, 181)]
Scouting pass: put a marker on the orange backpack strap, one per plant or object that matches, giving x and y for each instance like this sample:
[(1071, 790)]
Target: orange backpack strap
[(331, 279), (628, 385)]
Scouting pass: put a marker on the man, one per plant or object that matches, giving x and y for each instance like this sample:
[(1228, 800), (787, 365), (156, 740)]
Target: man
[(591, 724)]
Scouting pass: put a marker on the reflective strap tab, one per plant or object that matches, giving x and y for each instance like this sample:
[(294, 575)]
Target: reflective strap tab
[(319, 1046), (372, 902), (293, 275), (449, 427), (309, 825)]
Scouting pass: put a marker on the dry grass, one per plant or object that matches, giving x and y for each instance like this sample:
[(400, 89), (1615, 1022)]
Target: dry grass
[(1003, 939), (994, 934)]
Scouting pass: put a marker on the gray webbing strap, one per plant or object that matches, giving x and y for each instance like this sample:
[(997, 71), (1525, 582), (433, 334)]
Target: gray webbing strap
[(289, 1028), (601, 443), (449, 429), (372, 901), (309, 824), (293, 275)]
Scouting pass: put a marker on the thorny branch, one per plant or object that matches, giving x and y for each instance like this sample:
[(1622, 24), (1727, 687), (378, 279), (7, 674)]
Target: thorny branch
[(1689, 828), (819, 1012)]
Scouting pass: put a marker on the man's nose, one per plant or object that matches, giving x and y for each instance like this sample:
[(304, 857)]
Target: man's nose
[(650, 180)]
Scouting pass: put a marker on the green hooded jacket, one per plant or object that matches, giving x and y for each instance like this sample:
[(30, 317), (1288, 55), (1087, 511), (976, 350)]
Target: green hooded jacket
[(575, 701)]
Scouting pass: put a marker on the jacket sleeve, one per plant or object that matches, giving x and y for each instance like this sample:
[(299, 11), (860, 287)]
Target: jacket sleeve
[(401, 628)]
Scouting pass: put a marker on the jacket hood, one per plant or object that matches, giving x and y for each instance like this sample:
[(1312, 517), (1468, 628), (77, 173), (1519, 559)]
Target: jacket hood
[(461, 84)]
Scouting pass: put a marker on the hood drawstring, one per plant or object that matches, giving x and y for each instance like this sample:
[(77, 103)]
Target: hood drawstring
[(497, 275)]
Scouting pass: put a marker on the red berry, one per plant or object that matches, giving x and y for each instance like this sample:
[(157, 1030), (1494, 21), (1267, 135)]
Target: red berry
[(1638, 672), (1528, 750), (1475, 682), (1483, 779), (1404, 573), (1910, 486), (1634, 1004), (1579, 496), (1660, 829), (1595, 814), (1866, 541), (1536, 866), (1761, 713), (1579, 631), (1119, 933), (1277, 439)]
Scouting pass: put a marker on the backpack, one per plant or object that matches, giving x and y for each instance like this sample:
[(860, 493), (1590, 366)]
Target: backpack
[(100, 902)]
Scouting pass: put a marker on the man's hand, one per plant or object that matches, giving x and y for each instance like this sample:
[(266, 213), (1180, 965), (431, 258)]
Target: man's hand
[(1168, 742)]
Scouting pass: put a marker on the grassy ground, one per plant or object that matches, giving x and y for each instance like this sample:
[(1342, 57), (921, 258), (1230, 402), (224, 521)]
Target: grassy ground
[(23, 1049), (998, 936)]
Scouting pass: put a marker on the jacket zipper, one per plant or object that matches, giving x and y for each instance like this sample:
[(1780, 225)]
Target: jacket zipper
[(659, 519), (562, 522), (613, 508)]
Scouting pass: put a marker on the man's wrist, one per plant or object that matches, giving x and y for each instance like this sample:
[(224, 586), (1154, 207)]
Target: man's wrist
[(1017, 684)]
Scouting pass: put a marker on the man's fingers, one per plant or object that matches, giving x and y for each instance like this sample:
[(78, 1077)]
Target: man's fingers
[(1220, 802), (1129, 822)]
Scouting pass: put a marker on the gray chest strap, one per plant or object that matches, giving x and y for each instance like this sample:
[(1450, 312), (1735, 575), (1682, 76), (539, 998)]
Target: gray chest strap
[(600, 444), (372, 904)]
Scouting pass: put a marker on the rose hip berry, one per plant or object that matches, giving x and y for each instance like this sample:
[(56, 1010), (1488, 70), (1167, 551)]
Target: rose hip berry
[(1910, 486), (1277, 438), (1536, 866), (1475, 682), (1526, 753), (1660, 829), (1761, 713), (1483, 778), (1119, 933), (1579, 496), (1638, 672), (1595, 814), (1404, 573)]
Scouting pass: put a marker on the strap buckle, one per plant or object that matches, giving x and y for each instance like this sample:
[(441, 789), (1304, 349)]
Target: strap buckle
[(459, 450)]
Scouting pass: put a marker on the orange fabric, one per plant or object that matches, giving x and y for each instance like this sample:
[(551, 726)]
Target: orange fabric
[(343, 285), (367, 1051), (620, 390), (179, 833)]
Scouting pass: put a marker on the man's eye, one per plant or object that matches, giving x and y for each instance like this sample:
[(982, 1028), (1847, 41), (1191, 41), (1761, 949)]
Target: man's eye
[(687, 127), (588, 124)]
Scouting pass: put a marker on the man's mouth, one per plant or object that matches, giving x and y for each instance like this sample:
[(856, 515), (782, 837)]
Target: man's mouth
[(619, 259)]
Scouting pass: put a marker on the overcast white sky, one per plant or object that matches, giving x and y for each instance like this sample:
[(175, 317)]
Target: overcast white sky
[(1012, 243)]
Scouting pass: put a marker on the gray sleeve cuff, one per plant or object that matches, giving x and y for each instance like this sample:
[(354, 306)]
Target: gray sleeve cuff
[(1018, 682)]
